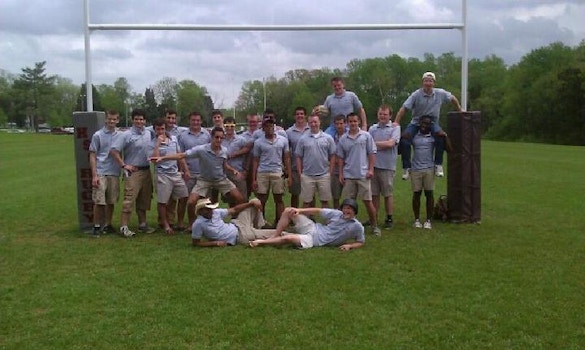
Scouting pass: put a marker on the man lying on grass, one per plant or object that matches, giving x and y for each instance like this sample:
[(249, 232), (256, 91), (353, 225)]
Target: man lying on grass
[(245, 225), (342, 227)]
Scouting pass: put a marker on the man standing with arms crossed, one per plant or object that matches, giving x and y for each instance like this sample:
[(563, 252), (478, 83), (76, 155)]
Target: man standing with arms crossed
[(105, 173), (386, 137), (133, 144)]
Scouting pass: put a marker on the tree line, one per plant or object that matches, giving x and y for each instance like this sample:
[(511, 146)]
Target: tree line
[(539, 99)]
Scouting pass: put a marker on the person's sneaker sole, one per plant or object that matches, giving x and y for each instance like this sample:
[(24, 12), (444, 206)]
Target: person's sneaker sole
[(388, 224)]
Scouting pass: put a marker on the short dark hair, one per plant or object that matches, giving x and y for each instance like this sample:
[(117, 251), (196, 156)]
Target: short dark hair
[(229, 120), (158, 122), (138, 111), (339, 117), (352, 114), (216, 130), (215, 112), (171, 111), (336, 79), (300, 108), (195, 113), (268, 111)]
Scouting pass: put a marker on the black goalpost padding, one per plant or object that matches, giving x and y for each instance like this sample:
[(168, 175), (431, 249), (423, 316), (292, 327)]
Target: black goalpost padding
[(464, 173)]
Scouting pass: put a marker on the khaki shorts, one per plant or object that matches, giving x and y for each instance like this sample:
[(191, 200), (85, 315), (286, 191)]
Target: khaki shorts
[(310, 185), (383, 182), (422, 180), (138, 191), (336, 187), (170, 186), (248, 223), (203, 188), (108, 191), (267, 181), (357, 189), (305, 228)]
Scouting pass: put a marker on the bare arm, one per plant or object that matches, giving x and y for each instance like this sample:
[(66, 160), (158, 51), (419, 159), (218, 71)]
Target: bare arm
[(364, 119), (385, 144), (456, 104), (93, 165), (299, 165), (309, 211), (287, 164), (200, 243), (399, 115)]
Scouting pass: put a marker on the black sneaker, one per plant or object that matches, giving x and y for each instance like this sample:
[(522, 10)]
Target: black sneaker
[(388, 223), (108, 229), (366, 223), (95, 232)]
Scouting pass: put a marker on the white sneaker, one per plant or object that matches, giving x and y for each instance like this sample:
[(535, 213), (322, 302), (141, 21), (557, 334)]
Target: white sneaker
[(427, 225), (417, 224), (439, 171), (376, 231), (125, 231), (406, 174)]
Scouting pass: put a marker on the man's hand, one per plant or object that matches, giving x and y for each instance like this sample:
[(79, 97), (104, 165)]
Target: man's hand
[(155, 159), (95, 182)]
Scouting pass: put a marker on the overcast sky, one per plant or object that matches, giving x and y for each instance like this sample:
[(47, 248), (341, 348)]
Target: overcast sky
[(41, 30)]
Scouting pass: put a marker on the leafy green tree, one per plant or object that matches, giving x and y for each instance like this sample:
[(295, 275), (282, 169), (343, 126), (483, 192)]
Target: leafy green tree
[(150, 105), (192, 97), (81, 104), (62, 104), (35, 88)]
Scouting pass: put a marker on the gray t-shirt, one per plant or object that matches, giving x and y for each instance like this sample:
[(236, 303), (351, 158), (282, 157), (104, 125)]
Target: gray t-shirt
[(134, 143), (212, 167), (215, 229), (386, 158), (338, 230), (354, 150), (346, 103), (422, 104), (315, 150), (101, 143), (423, 155), (270, 153)]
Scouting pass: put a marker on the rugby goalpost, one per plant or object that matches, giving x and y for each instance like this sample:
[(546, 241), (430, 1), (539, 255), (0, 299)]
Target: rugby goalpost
[(89, 27)]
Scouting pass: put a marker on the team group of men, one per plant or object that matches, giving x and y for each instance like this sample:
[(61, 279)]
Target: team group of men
[(344, 163)]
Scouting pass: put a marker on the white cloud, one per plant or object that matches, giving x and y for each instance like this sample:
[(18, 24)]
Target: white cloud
[(39, 30)]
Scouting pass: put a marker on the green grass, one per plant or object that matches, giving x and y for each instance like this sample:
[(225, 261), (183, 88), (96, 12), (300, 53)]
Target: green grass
[(517, 281)]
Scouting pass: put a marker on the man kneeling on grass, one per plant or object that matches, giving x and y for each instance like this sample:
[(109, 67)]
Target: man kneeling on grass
[(245, 225), (342, 226)]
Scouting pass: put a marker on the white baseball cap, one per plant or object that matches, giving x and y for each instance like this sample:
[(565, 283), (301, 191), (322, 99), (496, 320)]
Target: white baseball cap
[(429, 75)]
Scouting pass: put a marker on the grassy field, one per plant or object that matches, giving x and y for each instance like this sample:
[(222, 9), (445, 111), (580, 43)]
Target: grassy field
[(517, 281)]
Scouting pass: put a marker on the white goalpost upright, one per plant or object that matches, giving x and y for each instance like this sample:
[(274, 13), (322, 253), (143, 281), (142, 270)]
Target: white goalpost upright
[(89, 27)]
